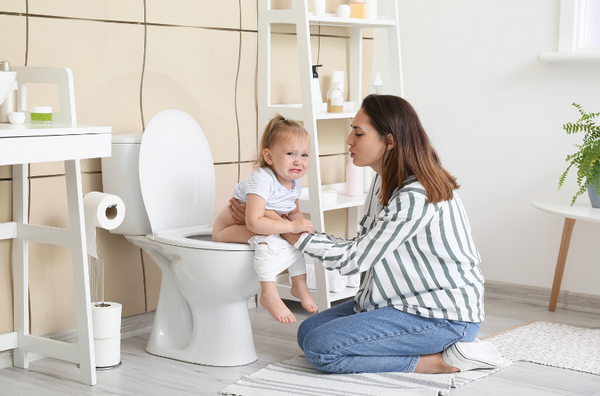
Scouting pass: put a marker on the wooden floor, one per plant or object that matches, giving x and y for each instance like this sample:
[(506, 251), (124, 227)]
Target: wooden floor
[(145, 374)]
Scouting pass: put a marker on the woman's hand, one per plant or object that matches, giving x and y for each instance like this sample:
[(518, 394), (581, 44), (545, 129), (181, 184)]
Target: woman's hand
[(291, 238), (302, 225), (237, 210)]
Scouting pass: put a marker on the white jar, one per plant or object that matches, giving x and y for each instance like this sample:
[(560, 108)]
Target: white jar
[(41, 114)]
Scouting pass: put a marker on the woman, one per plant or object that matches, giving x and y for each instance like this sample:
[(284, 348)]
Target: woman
[(420, 301)]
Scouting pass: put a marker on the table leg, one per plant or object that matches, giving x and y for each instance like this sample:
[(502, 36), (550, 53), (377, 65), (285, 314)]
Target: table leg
[(560, 263), (83, 305), (20, 263)]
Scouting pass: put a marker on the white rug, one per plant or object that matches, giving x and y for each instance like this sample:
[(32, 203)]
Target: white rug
[(297, 377), (551, 344)]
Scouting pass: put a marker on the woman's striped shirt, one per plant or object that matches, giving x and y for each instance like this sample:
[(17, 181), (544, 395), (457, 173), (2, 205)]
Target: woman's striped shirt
[(413, 255)]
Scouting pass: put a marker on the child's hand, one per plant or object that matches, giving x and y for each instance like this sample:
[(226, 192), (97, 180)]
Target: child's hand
[(302, 225)]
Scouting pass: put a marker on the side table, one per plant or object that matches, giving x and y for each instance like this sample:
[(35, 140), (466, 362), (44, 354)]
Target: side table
[(583, 212), (21, 144)]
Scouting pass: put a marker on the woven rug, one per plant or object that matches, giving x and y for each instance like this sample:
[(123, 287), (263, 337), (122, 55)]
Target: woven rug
[(297, 377), (551, 344)]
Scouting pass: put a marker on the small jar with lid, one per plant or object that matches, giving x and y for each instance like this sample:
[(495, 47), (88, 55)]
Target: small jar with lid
[(335, 99), (41, 114)]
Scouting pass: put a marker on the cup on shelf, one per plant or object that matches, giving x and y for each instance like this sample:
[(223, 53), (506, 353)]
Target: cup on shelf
[(319, 7), (16, 117)]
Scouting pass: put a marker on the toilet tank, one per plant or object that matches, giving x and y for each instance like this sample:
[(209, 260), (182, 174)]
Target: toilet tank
[(120, 176)]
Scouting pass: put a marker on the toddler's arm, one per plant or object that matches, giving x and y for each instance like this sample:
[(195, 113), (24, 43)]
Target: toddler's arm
[(257, 222)]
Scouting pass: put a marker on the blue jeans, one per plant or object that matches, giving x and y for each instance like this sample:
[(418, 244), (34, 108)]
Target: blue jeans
[(339, 340)]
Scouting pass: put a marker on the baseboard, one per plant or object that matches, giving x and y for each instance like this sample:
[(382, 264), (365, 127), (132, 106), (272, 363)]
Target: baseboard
[(131, 326), (534, 295)]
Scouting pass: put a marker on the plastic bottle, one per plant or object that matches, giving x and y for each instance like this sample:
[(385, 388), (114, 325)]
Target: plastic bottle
[(335, 99), (10, 103), (317, 98), (377, 84), (354, 180), (368, 177)]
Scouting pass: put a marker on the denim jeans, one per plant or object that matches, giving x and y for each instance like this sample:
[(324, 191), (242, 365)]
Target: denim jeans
[(339, 340)]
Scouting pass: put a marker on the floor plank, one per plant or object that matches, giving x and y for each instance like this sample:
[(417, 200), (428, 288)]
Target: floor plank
[(145, 374)]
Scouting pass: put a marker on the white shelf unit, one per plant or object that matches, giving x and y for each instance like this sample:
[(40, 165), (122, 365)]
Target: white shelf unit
[(311, 200)]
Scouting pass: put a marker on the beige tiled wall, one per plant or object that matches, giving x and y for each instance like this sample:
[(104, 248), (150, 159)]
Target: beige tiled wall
[(131, 60)]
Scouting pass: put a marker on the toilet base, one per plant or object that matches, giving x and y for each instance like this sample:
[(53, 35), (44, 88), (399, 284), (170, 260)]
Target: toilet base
[(223, 337)]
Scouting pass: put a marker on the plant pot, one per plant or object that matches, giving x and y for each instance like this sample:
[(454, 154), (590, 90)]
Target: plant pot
[(593, 194)]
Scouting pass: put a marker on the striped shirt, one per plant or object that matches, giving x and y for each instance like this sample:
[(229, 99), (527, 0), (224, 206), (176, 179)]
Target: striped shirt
[(413, 255), (264, 183)]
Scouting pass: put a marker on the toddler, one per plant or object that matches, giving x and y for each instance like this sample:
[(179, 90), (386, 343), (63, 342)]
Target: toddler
[(274, 186)]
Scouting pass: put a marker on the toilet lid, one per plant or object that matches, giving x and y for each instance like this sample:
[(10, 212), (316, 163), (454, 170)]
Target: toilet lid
[(177, 175)]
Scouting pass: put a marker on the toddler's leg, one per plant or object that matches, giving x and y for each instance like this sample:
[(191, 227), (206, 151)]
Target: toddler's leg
[(266, 266), (299, 289), (270, 300)]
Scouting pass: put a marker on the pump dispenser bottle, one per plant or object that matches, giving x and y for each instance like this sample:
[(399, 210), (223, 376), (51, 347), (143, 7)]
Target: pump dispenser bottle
[(377, 84), (317, 98)]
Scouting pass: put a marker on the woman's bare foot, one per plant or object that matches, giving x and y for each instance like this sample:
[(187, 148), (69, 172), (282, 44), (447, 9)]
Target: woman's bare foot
[(270, 300), (300, 291)]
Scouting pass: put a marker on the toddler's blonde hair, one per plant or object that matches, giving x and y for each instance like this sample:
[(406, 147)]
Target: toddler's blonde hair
[(278, 128)]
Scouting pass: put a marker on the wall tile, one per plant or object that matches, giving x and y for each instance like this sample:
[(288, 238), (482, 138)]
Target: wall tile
[(336, 223), (5, 201), (15, 28), (194, 70), (5, 172), (220, 14), (332, 136), (333, 169), (14, 5), (153, 277), (110, 10), (249, 14), (226, 179), (106, 61), (246, 98)]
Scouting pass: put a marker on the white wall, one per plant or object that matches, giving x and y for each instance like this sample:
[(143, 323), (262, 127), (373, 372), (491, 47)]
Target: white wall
[(495, 115)]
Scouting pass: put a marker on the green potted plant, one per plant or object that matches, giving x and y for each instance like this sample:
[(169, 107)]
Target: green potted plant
[(587, 156)]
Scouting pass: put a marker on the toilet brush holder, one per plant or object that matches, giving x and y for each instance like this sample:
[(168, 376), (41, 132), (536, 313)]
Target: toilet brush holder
[(106, 320)]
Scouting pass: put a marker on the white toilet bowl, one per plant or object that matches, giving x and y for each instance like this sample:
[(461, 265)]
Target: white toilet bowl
[(202, 313)]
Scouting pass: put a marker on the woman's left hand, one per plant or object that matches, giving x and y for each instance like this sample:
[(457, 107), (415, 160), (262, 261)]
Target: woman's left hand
[(237, 211)]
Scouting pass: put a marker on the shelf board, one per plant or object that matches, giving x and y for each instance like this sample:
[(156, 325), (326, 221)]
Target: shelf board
[(284, 288), (334, 20), (294, 111), (342, 201)]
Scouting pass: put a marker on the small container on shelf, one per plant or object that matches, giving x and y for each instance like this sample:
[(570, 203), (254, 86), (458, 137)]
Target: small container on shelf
[(358, 9), (335, 99), (41, 114)]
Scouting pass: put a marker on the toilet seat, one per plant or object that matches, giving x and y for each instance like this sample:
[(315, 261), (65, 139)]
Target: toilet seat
[(177, 178), (197, 237)]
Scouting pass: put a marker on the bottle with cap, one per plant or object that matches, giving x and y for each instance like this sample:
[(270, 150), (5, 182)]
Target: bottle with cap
[(377, 84), (335, 99), (317, 98), (10, 103)]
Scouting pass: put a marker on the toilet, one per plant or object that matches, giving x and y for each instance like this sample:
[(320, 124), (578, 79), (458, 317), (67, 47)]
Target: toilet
[(166, 179)]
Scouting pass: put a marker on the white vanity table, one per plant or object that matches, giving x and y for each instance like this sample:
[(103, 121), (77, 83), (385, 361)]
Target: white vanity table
[(21, 144)]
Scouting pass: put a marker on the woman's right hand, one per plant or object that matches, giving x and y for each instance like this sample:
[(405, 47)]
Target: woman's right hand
[(302, 225)]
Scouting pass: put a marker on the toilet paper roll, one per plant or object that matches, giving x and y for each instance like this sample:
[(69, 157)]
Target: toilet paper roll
[(107, 351), (106, 320), (101, 210)]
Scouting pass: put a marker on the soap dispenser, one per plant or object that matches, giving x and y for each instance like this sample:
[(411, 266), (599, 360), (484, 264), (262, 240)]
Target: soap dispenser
[(317, 98), (10, 103), (377, 84), (354, 179)]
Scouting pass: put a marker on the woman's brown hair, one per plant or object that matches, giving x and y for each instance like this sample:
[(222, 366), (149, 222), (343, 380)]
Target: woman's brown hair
[(277, 128), (412, 153)]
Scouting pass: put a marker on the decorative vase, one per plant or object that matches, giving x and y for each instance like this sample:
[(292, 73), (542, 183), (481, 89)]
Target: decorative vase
[(593, 194)]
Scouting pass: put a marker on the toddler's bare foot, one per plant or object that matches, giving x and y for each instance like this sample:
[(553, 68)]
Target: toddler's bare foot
[(301, 292), (276, 307)]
